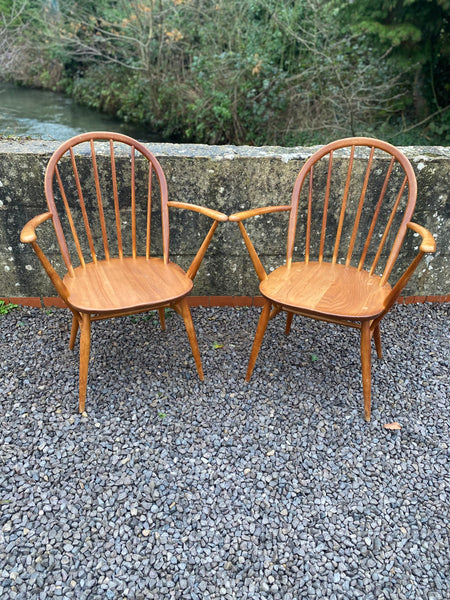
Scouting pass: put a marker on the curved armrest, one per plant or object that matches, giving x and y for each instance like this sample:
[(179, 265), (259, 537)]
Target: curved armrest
[(28, 236), (209, 212), (428, 242), (28, 233), (428, 245), (264, 210), (246, 214)]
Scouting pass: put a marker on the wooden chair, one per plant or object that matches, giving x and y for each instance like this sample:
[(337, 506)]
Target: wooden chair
[(110, 270), (356, 206)]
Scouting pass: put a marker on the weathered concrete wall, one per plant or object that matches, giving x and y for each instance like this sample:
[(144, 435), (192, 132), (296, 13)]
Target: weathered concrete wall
[(226, 178)]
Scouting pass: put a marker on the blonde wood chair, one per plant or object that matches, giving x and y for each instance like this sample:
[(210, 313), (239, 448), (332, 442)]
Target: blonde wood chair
[(110, 269), (349, 215)]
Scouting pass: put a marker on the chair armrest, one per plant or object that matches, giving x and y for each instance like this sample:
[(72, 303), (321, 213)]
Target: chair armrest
[(209, 212), (428, 242), (28, 233), (428, 245), (263, 210), (246, 214), (28, 236)]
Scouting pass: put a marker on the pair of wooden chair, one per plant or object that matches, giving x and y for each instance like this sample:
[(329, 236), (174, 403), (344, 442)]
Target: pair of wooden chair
[(116, 275)]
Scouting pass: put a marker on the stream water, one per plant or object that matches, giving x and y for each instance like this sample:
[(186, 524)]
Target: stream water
[(48, 115)]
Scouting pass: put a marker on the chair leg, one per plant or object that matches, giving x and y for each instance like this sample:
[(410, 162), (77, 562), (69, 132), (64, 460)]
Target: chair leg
[(366, 366), (187, 318), (74, 330), (377, 340), (260, 330), (85, 345), (289, 317), (274, 312), (162, 318)]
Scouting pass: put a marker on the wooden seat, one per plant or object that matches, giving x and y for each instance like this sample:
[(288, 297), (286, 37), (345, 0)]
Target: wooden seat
[(123, 284), (104, 193), (327, 289), (349, 215)]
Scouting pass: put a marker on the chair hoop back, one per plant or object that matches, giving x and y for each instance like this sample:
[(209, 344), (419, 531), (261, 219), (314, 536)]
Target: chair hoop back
[(357, 196), (125, 187)]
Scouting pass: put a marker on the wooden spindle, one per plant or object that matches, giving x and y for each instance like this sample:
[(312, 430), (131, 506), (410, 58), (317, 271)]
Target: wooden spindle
[(116, 199), (360, 207), (133, 202), (71, 223), (309, 216), (325, 207), (397, 244), (83, 206), (375, 215), (149, 212), (99, 201), (344, 206)]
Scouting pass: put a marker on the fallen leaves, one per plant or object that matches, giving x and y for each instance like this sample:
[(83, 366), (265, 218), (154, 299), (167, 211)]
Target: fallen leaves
[(392, 426)]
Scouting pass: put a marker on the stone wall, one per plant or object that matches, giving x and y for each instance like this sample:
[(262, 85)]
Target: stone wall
[(226, 178)]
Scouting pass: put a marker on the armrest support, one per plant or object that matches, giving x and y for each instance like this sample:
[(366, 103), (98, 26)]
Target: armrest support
[(28, 233), (263, 210), (208, 212), (428, 245), (246, 214), (28, 236), (428, 242)]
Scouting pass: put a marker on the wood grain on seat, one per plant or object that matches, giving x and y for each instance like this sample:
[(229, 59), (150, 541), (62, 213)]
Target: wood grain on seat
[(327, 289), (123, 284)]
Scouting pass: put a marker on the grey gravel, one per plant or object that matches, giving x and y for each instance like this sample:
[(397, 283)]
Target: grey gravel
[(172, 488)]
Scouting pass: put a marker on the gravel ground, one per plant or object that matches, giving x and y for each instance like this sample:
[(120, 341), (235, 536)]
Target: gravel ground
[(171, 488)]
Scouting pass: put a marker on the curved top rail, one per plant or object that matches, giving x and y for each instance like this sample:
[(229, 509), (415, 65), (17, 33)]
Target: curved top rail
[(53, 172), (306, 175)]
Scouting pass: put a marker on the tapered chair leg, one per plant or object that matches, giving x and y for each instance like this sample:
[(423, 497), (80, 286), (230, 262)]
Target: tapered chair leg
[(187, 318), (274, 312), (377, 340), (85, 345), (74, 330), (162, 318), (366, 367), (260, 330), (289, 318)]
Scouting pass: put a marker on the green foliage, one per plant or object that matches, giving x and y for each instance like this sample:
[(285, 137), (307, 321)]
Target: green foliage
[(416, 33), (6, 307), (392, 35), (439, 130), (256, 72), (150, 316)]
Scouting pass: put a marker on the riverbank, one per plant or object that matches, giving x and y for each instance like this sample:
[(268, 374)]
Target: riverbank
[(47, 115)]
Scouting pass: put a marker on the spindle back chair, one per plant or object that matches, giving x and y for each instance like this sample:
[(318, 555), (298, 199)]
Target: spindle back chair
[(350, 211), (108, 200)]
